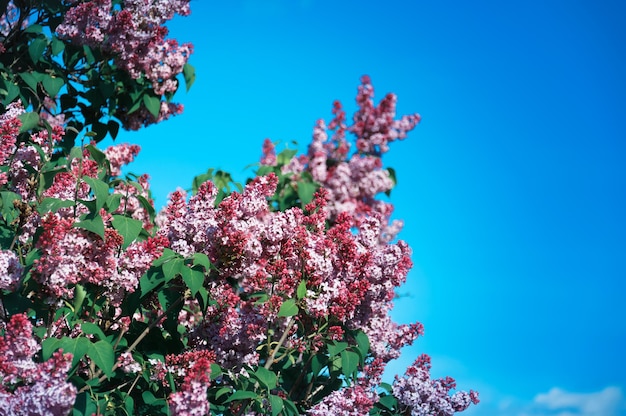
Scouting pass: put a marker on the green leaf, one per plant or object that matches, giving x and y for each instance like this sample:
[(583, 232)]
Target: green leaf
[(88, 55), (242, 395), (219, 393), (388, 401), (48, 346), (100, 190), (29, 79), (266, 377), (168, 254), (285, 156), (216, 371), (363, 343), (288, 308), (77, 346), (128, 228), (36, 28), (189, 72), (276, 402), (153, 104), (95, 225), (79, 297), (194, 279), (290, 408), (53, 205), (113, 202), (84, 405), (29, 121), (37, 47), (12, 92), (306, 190), (148, 398), (52, 85), (114, 128), (173, 268), (201, 259), (102, 354), (301, 291), (56, 46), (335, 347), (98, 155), (149, 281), (93, 329), (349, 362)]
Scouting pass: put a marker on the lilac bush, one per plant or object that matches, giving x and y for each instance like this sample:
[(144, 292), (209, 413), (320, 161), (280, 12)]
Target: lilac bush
[(272, 297)]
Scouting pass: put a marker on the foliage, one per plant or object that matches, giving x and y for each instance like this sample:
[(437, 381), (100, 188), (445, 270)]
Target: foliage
[(93, 64), (269, 298)]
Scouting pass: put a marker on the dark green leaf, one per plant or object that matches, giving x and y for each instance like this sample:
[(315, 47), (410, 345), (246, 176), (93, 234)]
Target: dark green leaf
[(29, 121), (201, 259), (276, 402), (363, 343), (77, 346), (153, 104), (288, 308), (173, 268), (114, 128), (222, 391), (113, 202), (36, 48), (128, 228), (306, 190), (52, 85), (48, 346), (290, 408), (98, 155), (388, 401), (53, 205), (29, 79), (301, 291), (216, 371), (242, 395), (267, 378), (88, 55), (349, 362), (95, 225), (102, 354), (194, 279), (93, 329), (189, 72), (335, 347), (36, 28), (56, 46), (84, 405), (149, 281), (100, 191)]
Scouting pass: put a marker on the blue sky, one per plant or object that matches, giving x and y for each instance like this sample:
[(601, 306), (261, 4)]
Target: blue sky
[(512, 189)]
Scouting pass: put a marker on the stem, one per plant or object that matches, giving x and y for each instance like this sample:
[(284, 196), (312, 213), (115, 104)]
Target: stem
[(136, 342), (270, 360)]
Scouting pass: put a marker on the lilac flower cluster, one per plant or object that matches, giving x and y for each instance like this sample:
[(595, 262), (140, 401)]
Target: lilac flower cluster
[(354, 181), (134, 36), (423, 396), (30, 388)]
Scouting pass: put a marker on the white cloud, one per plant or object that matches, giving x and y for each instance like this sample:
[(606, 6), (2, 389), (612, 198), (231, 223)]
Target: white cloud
[(607, 402)]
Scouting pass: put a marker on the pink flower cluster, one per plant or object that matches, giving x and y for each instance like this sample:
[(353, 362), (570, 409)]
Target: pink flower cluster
[(353, 182), (350, 401), (10, 270), (71, 255), (134, 35), (349, 277), (30, 388), (422, 396)]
